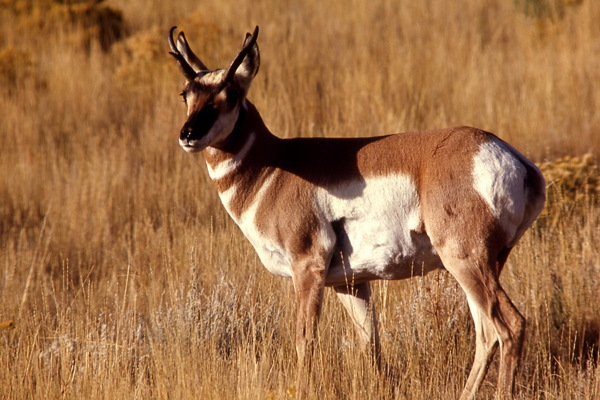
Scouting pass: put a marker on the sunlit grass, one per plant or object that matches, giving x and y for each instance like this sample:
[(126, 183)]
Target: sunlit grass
[(121, 276)]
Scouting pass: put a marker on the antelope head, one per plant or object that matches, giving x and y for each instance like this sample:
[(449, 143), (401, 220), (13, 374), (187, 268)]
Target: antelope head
[(213, 98)]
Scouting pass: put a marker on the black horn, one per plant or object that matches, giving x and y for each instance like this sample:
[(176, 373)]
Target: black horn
[(186, 68)]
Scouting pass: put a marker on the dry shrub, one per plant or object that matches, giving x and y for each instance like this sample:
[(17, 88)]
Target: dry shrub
[(96, 22), (569, 226), (15, 66), (143, 56), (572, 179), (208, 40), (85, 22), (545, 8), (139, 59)]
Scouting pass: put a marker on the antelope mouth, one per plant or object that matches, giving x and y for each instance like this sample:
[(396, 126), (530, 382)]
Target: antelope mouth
[(191, 146)]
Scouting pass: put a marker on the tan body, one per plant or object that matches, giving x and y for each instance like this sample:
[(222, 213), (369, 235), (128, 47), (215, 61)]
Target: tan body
[(342, 212)]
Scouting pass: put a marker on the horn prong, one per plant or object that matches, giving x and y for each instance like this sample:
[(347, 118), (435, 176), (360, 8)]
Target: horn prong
[(186, 68), (184, 47)]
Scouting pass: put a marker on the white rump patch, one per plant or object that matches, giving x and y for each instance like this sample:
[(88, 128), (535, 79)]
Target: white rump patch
[(499, 178)]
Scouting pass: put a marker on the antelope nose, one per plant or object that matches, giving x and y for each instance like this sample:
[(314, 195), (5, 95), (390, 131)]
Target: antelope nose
[(185, 133)]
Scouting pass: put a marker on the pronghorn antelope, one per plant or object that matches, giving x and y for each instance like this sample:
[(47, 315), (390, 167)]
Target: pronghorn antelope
[(343, 212)]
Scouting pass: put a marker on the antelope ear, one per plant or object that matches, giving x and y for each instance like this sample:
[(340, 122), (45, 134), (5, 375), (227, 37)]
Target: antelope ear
[(248, 68)]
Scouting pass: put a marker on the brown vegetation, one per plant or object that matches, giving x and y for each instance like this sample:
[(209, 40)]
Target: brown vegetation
[(121, 276)]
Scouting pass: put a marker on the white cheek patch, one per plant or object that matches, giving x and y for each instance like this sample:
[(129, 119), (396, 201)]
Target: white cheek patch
[(222, 127), (499, 178)]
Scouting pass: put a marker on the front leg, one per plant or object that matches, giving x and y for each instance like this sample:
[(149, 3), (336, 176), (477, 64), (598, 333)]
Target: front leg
[(309, 280), (357, 301)]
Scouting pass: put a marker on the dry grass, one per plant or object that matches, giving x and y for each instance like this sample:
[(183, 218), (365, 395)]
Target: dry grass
[(122, 277)]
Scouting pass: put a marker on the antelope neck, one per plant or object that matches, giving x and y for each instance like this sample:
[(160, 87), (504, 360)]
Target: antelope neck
[(248, 132)]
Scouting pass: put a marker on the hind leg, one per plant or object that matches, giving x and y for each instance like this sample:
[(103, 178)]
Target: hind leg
[(510, 325), (496, 320), (486, 343)]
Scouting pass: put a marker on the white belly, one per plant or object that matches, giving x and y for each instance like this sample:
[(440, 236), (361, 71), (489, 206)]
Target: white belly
[(378, 231), (367, 255), (377, 223)]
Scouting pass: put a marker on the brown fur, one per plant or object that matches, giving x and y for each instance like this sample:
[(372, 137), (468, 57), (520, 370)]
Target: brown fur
[(455, 220), (437, 160)]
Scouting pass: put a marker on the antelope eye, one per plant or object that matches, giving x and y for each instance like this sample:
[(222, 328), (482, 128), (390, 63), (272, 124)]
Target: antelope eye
[(184, 95)]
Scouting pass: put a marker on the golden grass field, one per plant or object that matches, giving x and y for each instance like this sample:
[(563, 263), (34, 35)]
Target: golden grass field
[(122, 277)]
